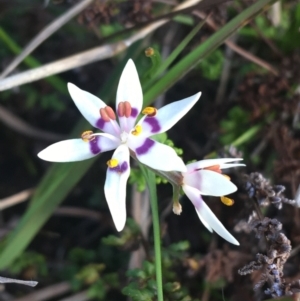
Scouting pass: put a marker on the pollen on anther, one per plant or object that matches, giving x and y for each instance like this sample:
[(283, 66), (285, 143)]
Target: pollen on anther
[(227, 201), (149, 111), (121, 109), (215, 168), (137, 130), (104, 114), (112, 163), (127, 107), (87, 136), (110, 113)]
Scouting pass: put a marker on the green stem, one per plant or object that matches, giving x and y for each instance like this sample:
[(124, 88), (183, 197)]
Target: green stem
[(150, 177)]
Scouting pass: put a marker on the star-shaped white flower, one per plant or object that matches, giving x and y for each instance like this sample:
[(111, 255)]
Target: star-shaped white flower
[(205, 178), (123, 135)]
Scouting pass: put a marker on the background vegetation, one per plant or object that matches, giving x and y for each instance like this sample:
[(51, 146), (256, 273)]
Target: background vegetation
[(55, 226)]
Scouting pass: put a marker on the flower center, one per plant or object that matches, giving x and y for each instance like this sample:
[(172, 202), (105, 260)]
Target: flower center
[(124, 137)]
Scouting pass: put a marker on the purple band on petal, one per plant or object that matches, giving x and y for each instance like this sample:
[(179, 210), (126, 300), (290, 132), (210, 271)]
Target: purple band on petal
[(94, 146), (144, 148), (153, 122), (134, 112), (100, 123), (120, 168)]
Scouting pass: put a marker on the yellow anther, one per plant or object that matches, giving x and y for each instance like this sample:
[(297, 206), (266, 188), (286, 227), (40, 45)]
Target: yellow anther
[(137, 130), (193, 264), (149, 111), (227, 177), (227, 201), (149, 52), (87, 136), (112, 163)]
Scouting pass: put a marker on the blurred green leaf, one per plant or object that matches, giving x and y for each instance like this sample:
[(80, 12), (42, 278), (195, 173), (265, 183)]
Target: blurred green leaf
[(30, 61), (212, 65), (203, 50), (29, 260), (138, 294), (161, 68)]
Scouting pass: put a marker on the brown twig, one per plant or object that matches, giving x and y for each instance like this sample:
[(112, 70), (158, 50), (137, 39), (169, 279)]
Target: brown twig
[(47, 293), (87, 57), (78, 212), (44, 34), (17, 124), (16, 199)]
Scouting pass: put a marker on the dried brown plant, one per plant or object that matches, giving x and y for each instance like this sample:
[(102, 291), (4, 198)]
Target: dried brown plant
[(271, 264)]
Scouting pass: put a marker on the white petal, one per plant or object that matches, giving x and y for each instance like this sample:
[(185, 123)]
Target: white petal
[(209, 182), (89, 106), (208, 218), (115, 186), (195, 197), (76, 149), (155, 154), (167, 116), (207, 215), (207, 226), (211, 162), (230, 165), (87, 103), (130, 90)]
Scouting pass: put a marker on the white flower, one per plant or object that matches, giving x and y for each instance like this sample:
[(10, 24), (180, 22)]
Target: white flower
[(123, 135), (205, 178)]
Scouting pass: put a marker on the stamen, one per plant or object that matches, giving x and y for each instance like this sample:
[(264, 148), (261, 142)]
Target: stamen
[(227, 201), (87, 136), (104, 115), (127, 106), (137, 130), (110, 113), (112, 163), (121, 109), (149, 111), (215, 168)]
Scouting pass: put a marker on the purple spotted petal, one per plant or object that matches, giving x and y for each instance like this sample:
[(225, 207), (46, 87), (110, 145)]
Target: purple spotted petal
[(155, 154), (115, 186), (76, 149), (87, 103), (145, 147), (167, 116), (110, 127), (120, 168), (129, 89), (153, 123)]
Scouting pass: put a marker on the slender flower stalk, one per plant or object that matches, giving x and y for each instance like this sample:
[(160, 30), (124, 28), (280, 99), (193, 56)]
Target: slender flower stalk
[(122, 132)]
